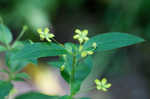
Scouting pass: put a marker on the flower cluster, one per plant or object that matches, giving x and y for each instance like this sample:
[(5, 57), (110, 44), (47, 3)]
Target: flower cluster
[(102, 84), (45, 34), (81, 36)]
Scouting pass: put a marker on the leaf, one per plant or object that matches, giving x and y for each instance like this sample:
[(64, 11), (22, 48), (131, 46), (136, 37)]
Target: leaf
[(82, 71), (85, 98), (2, 48), (37, 50), (35, 95), (21, 76), (57, 64), (110, 41), (17, 65), (5, 34), (5, 88)]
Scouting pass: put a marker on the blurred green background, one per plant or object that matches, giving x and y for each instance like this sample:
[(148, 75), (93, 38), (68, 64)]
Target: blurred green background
[(128, 69)]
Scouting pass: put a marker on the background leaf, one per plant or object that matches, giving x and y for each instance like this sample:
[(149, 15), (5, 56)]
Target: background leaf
[(35, 95), (109, 41), (5, 88), (2, 48), (5, 34), (36, 50)]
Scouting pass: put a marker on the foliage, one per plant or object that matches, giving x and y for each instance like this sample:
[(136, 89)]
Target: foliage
[(75, 60)]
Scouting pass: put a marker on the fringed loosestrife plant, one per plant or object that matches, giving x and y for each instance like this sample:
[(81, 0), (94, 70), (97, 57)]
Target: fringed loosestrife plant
[(74, 62)]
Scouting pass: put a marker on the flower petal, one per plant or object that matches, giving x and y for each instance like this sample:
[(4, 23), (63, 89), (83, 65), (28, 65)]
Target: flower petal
[(78, 31)]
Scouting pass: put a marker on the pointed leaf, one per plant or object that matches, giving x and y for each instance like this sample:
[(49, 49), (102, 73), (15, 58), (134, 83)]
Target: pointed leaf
[(37, 50), (5, 88), (5, 34), (110, 41)]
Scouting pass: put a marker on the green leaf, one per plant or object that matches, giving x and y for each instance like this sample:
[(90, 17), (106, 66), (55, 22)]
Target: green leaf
[(57, 64), (5, 88), (82, 71), (21, 76), (17, 65), (110, 41), (36, 95), (85, 98), (5, 34), (2, 48), (37, 50)]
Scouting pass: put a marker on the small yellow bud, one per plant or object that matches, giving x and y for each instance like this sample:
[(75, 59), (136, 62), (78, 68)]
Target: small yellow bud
[(62, 68), (90, 52), (94, 45), (84, 54)]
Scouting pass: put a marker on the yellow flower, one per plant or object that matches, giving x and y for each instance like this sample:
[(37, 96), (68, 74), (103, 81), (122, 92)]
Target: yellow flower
[(94, 45), (45, 34), (81, 36), (62, 68), (102, 85)]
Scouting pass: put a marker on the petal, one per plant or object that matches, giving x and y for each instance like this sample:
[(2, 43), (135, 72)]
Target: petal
[(104, 81), (77, 31), (97, 81), (46, 30), (84, 54), (76, 36), (39, 30), (86, 38), (104, 89), (94, 45), (107, 85), (90, 52), (51, 35), (80, 40), (49, 40), (85, 32), (99, 87)]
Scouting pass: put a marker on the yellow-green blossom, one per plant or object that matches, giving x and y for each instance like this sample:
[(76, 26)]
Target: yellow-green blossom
[(94, 45), (62, 68), (85, 53), (45, 34), (81, 36), (102, 84)]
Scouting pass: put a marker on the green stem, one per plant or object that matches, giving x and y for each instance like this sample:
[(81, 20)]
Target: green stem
[(72, 76), (21, 34), (58, 42)]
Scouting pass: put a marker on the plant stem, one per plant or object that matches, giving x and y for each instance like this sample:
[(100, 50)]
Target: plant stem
[(21, 34), (72, 76)]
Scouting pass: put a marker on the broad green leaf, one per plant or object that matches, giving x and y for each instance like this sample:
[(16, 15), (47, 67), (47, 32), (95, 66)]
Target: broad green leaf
[(5, 34), (110, 41), (37, 50), (36, 95), (82, 71), (17, 65), (2, 48), (5, 88)]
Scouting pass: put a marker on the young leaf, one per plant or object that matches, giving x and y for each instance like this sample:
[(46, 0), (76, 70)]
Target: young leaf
[(109, 41), (36, 50), (2, 48), (5, 34), (82, 71), (35, 95), (5, 88)]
